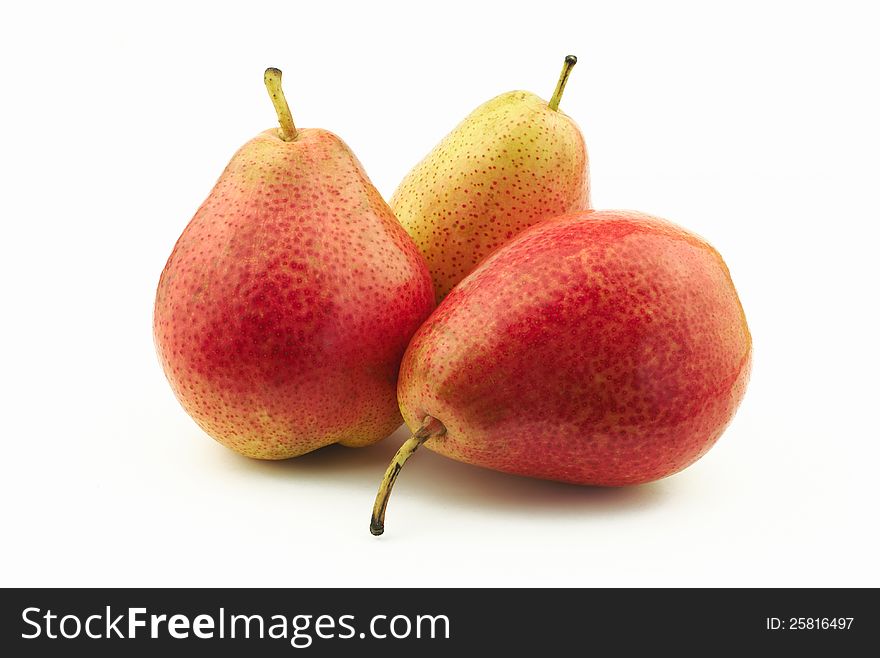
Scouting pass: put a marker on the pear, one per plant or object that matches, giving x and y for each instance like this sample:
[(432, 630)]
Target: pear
[(600, 348), (513, 162), (288, 301)]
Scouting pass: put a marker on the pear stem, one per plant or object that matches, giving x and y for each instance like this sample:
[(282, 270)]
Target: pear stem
[(430, 427), (272, 78), (567, 66)]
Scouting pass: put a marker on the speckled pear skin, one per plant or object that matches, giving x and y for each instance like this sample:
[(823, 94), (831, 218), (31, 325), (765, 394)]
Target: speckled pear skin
[(287, 303), (510, 164), (600, 348)]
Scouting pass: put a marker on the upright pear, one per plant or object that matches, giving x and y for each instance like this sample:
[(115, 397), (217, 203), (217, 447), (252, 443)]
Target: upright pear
[(604, 348), (288, 301), (514, 161)]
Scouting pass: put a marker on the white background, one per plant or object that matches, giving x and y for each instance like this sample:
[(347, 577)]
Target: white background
[(755, 125)]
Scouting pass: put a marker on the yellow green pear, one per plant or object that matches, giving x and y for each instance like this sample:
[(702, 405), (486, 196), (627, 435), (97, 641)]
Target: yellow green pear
[(511, 163)]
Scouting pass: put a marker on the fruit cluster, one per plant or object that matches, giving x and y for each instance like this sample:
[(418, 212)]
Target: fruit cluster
[(297, 309)]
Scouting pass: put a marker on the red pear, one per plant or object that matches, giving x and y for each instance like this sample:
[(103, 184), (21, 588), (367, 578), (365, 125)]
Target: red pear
[(288, 301), (599, 348)]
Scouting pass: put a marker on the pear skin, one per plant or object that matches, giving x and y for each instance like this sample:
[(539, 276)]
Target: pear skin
[(287, 303), (514, 161), (601, 348)]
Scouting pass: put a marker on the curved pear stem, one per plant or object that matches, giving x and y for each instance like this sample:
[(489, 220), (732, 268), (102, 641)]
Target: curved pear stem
[(430, 427), (567, 66), (272, 78)]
